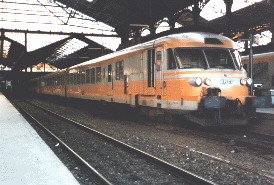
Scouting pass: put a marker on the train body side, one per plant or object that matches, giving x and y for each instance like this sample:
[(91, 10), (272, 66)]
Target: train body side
[(150, 75), (263, 69)]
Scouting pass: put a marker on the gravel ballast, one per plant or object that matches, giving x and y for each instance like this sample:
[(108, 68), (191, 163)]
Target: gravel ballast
[(174, 144)]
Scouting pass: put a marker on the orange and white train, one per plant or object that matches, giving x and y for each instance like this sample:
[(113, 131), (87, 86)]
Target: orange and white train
[(197, 74), (263, 69)]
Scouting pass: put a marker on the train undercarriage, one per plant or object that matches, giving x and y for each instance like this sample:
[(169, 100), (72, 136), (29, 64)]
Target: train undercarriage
[(219, 111)]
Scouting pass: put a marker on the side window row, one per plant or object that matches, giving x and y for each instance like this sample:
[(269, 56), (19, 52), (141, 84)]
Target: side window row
[(58, 80), (89, 76)]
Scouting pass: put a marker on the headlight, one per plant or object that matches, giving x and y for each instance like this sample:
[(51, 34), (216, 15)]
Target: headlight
[(198, 81), (208, 82), (249, 81), (243, 81)]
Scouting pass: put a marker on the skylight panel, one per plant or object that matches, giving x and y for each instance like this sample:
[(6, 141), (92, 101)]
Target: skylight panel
[(69, 47)]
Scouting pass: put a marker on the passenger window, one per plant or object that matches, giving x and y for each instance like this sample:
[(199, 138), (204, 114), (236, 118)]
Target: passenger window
[(82, 77), (56, 79), (98, 74), (75, 78), (170, 59), (119, 70), (158, 60), (66, 82), (71, 79), (78, 77), (109, 73), (61, 79), (92, 75), (104, 72), (88, 76)]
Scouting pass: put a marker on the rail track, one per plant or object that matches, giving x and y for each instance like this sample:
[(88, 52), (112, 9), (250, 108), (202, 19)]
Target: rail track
[(242, 138), (179, 175), (255, 171), (238, 136), (235, 137), (70, 151)]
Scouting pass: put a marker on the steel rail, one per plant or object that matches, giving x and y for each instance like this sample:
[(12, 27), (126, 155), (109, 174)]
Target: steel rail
[(226, 140), (185, 173), (77, 156), (228, 162), (258, 134)]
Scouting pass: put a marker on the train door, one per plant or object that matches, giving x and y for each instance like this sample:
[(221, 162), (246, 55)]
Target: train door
[(159, 71), (110, 80), (154, 72), (151, 68)]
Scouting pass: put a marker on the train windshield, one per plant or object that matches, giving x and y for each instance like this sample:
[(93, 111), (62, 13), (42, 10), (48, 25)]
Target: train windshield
[(207, 58), (190, 58)]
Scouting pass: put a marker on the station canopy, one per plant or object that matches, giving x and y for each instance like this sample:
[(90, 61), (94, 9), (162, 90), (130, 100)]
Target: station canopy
[(256, 18), (129, 13), (35, 31), (79, 28), (63, 33)]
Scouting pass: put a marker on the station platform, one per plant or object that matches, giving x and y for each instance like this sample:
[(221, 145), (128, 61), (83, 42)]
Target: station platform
[(265, 110), (24, 157), (265, 113)]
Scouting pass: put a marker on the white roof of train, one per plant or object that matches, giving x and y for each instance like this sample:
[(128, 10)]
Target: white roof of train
[(198, 36)]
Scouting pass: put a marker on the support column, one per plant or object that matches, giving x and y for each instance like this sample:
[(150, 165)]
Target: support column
[(228, 16), (171, 22), (272, 31), (26, 41), (246, 35), (123, 32), (2, 43), (251, 62), (152, 29), (196, 13)]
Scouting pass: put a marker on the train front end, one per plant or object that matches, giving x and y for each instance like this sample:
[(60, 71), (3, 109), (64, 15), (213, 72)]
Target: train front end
[(213, 78)]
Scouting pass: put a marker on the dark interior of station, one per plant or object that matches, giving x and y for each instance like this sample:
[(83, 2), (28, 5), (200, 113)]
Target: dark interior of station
[(137, 92), (128, 20)]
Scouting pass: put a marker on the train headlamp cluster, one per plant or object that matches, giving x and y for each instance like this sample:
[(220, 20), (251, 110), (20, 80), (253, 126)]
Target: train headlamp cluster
[(246, 81), (198, 81), (208, 81), (249, 81), (243, 81)]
